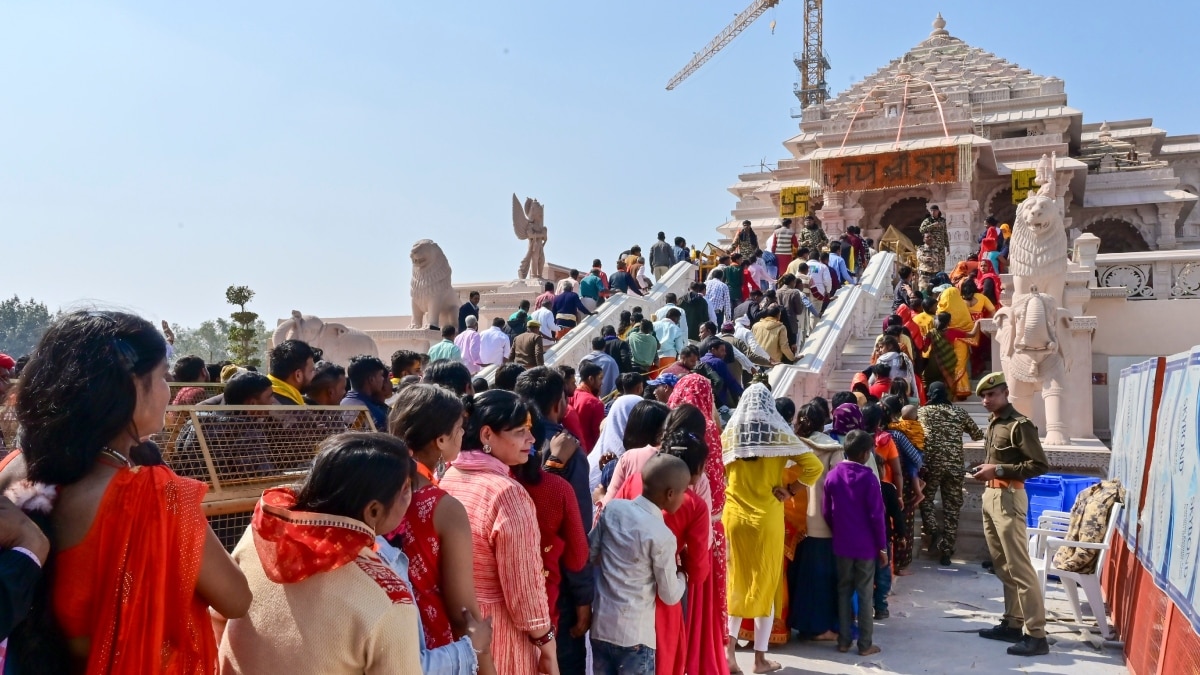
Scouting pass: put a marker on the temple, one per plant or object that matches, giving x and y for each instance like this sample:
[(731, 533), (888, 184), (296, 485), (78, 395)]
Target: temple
[(957, 126)]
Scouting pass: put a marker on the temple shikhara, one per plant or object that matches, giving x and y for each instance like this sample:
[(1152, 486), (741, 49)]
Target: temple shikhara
[(955, 125)]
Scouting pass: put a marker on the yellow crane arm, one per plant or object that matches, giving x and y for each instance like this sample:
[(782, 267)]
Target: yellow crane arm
[(739, 24)]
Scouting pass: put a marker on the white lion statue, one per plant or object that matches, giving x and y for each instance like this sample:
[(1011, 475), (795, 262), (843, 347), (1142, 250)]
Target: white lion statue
[(434, 302), (1038, 250), (338, 342)]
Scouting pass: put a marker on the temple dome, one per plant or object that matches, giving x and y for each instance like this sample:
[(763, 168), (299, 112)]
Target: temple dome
[(961, 75)]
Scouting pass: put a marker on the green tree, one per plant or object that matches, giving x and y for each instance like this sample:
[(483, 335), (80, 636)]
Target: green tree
[(22, 325), (210, 341), (244, 337)]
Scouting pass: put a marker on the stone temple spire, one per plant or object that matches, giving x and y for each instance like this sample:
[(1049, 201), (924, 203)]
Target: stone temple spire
[(939, 27)]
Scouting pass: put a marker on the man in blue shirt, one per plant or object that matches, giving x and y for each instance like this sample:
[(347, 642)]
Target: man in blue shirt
[(446, 350), (841, 272), (714, 350), (682, 254), (367, 375), (591, 288), (623, 281), (607, 365)]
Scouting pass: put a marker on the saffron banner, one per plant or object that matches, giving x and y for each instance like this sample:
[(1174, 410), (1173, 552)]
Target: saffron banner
[(1022, 183), (793, 202), (884, 171)]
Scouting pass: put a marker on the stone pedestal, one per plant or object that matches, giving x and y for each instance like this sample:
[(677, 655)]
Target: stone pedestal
[(415, 340), (503, 301)]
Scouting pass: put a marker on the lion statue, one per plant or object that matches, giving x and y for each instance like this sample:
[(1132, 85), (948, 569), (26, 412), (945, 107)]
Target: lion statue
[(339, 343), (434, 302), (1038, 250)]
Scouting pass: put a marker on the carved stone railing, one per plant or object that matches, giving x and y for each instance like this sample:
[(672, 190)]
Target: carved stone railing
[(850, 315), (1151, 275), (575, 344), (999, 144)]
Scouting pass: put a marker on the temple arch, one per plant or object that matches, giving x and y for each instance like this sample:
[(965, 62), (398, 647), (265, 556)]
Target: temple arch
[(906, 213), (1117, 235), (1000, 205)]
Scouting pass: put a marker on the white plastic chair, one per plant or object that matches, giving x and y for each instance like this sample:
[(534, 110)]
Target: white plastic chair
[(1050, 524), (1090, 583)]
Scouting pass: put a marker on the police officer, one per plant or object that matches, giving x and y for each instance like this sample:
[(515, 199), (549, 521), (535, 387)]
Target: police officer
[(1013, 454)]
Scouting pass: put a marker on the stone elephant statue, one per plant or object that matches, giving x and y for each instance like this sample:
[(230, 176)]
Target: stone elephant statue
[(338, 342), (1035, 351)]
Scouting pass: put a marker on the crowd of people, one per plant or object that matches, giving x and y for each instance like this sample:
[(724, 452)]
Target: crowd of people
[(641, 510)]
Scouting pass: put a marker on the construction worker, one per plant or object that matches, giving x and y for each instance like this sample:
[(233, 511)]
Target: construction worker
[(1013, 455)]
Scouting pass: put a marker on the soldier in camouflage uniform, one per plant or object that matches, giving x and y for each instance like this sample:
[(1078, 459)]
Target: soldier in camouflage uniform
[(944, 425), (935, 224), (811, 236)]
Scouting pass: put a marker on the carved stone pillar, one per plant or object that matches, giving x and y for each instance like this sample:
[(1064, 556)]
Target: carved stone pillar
[(1078, 412), (1168, 214), (830, 214), (852, 212), (960, 211), (1087, 247)]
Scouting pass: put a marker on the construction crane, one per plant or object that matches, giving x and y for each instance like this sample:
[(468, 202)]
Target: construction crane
[(739, 24), (811, 62)]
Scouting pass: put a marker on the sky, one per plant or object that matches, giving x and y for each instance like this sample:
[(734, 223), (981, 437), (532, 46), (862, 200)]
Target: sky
[(152, 154)]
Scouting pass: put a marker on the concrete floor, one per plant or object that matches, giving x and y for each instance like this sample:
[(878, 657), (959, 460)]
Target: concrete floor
[(935, 614)]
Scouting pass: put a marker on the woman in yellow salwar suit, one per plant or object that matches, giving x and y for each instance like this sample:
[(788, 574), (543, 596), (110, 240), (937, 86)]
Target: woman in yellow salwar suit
[(758, 447), (951, 302)]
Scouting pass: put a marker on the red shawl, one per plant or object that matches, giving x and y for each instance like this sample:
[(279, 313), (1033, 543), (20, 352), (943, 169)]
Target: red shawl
[(295, 545), (986, 272)]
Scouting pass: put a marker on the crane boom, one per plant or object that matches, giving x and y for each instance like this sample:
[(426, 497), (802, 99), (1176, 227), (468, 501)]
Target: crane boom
[(739, 24)]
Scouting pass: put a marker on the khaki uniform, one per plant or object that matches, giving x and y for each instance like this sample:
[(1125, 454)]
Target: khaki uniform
[(1011, 442)]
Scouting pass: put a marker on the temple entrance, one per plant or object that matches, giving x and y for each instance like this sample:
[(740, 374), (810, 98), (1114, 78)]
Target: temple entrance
[(906, 215), (1117, 236), (1002, 207)]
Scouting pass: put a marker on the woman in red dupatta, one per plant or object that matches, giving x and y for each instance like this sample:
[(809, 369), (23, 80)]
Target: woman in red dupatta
[(988, 282), (134, 566), (708, 618)]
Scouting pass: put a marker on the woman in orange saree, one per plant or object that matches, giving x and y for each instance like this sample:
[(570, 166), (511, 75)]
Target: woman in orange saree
[(134, 566)]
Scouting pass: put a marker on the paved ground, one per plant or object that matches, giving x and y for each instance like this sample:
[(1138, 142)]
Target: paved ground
[(935, 613)]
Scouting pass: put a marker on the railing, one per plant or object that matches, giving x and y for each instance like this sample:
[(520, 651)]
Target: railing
[(239, 451), (578, 342), (849, 316), (1151, 275)]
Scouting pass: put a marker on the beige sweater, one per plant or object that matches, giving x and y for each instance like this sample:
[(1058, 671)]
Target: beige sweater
[(352, 620)]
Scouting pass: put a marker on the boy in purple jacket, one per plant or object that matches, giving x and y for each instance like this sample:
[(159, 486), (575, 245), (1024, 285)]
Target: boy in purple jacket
[(853, 507)]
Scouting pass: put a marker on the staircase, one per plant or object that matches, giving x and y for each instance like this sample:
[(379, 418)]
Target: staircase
[(856, 356), (578, 342)]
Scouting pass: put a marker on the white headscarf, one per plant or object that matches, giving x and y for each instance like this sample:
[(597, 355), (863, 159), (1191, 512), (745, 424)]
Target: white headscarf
[(612, 435), (756, 429)]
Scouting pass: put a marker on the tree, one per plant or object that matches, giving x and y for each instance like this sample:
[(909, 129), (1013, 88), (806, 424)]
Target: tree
[(22, 325), (210, 341), (244, 337)]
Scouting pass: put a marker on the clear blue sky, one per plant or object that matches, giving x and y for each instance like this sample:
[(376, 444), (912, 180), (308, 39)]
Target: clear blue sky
[(153, 153)]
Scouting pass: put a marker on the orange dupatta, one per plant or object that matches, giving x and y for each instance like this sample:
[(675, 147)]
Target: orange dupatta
[(149, 537)]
